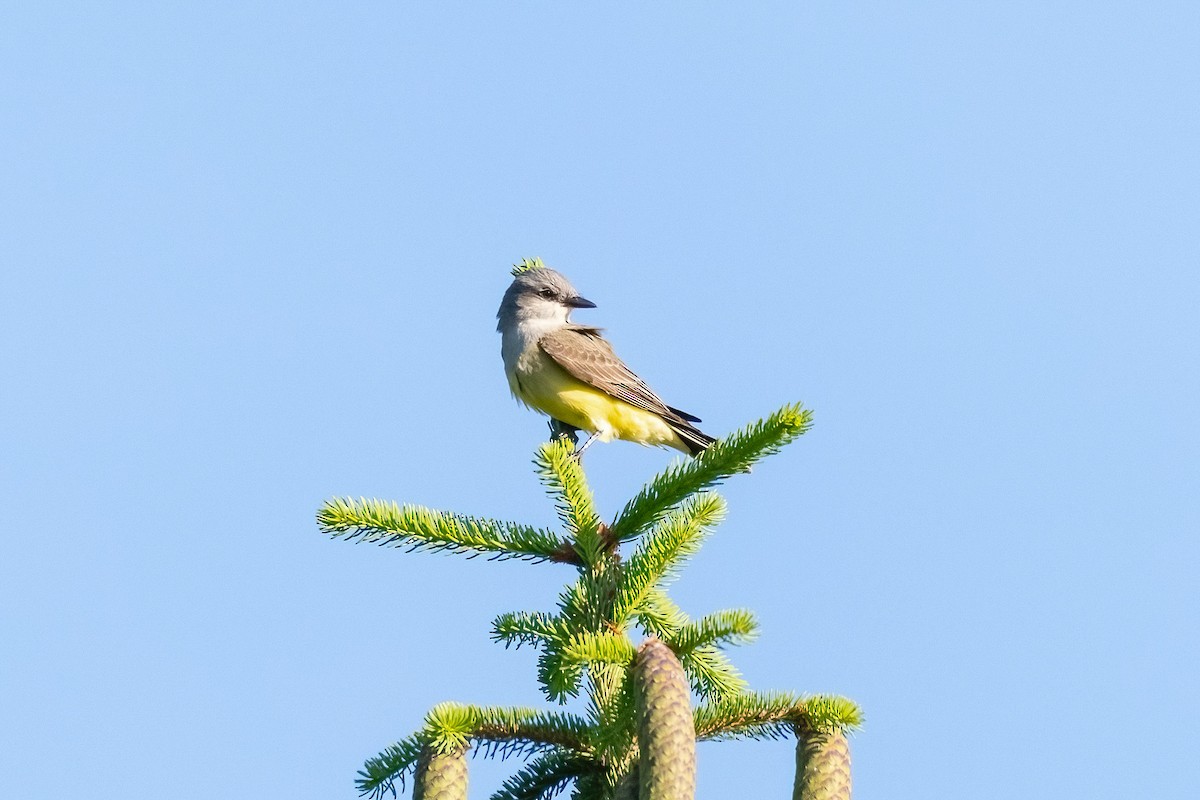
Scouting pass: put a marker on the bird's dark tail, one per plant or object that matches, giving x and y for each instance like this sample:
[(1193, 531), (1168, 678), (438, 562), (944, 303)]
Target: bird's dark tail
[(684, 414), (693, 438)]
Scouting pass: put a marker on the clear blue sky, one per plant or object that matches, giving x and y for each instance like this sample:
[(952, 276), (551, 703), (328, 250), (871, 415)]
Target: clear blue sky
[(251, 257)]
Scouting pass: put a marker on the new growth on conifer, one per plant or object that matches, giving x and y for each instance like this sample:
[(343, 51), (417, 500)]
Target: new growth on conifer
[(615, 639)]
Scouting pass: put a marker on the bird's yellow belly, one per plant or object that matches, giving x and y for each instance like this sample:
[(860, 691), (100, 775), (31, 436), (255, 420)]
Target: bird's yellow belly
[(551, 390)]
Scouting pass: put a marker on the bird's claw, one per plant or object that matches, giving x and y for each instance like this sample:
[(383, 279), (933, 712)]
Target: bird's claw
[(562, 431)]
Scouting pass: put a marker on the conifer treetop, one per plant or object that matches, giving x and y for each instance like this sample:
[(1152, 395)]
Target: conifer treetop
[(587, 645)]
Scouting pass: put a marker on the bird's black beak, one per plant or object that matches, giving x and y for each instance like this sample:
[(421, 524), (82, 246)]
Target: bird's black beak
[(579, 302)]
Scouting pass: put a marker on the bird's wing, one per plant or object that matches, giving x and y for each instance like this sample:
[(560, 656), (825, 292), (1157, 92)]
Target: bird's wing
[(586, 356)]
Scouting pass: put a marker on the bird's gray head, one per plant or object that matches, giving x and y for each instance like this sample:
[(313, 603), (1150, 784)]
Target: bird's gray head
[(540, 294)]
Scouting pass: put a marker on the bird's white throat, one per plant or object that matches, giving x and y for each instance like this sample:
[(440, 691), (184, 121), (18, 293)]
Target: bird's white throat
[(517, 339)]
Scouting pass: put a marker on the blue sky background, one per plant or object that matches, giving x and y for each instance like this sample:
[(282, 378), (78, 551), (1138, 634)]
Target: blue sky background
[(251, 257)]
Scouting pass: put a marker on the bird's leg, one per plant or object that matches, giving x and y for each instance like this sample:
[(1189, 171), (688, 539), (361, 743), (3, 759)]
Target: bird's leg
[(578, 454), (561, 430)]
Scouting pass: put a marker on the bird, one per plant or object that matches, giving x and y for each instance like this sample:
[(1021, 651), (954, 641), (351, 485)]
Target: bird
[(570, 373)]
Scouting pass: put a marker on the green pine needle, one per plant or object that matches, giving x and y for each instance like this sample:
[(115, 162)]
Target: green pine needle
[(732, 454), (449, 726), (526, 265), (825, 712), (386, 523)]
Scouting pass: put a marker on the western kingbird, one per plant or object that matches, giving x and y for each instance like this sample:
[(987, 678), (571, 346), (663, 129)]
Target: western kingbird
[(570, 373)]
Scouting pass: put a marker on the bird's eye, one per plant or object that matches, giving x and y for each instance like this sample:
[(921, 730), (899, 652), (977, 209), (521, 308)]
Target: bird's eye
[(547, 293)]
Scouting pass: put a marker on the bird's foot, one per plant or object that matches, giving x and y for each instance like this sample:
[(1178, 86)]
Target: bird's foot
[(578, 454), (561, 430)]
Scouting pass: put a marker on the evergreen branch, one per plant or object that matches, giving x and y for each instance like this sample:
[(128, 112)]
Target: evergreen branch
[(518, 628), (773, 715), (732, 626), (676, 537), (387, 523), (734, 453), (605, 648), (712, 675), (451, 726), (544, 777), (586, 603), (380, 774), (563, 476), (583, 609), (535, 727), (826, 712)]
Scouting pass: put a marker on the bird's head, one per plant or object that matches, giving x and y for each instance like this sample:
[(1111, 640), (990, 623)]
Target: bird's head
[(540, 294)]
